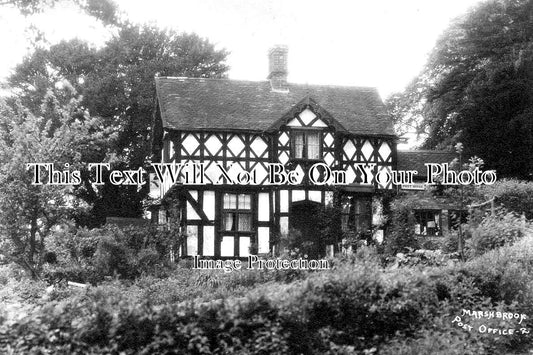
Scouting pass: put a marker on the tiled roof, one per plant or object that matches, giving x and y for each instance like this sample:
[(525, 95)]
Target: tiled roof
[(127, 222), (415, 159), (426, 200), (203, 104)]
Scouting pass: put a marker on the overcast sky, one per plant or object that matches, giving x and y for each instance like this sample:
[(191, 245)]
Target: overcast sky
[(379, 43)]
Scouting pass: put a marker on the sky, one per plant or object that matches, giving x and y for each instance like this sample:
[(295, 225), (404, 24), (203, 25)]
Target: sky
[(378, 43)]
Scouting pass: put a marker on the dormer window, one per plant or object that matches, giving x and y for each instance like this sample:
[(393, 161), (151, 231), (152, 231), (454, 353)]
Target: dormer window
[(306, 144)]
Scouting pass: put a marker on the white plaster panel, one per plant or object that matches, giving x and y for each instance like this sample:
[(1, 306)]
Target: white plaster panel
[(263, 239), (263, 208), (209, 241)]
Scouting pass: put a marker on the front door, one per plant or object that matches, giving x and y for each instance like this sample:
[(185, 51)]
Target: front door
[(305, 228)]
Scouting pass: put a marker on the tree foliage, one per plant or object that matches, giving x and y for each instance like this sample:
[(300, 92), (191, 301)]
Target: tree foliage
[(104, 10), (477, 88), (117, 84), (402, 236), (29, 211), (117, 81)]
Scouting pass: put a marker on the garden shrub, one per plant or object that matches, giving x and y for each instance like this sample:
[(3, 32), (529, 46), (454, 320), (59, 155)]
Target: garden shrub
[(424, 257), (74, 251), (515, 195), (494, 231), (503, 274), (112, 258), (435, 342), (9, 272), (76, 273), (185, 284), (148, 261), (450, 243), (401, 237), (426, 243), (101, 327), (357, 307), (73, 246), (26, 290), (351, 306), (88, 256)]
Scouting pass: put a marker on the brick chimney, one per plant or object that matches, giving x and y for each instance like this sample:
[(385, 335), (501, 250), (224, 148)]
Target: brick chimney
[(277, 71)]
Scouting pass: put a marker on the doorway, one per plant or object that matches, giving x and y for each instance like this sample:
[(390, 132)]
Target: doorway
[(305, 225)]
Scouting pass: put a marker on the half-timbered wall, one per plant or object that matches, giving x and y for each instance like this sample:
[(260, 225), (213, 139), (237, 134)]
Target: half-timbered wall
[(359, 153), (346, 153), (304, 123), (236, 152), (217, 224)]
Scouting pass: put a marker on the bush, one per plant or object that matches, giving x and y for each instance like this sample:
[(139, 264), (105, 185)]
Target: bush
[(356, 307), (88, 256), (26, 290), (436, 342), (494, 231), (515, 195), (148, 261), (402, 232), (112, 258), (424, 257), (9, 272), (450, 243), (428, 243)]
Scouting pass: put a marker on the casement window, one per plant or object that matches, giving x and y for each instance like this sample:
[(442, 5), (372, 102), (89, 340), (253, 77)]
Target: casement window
[(306, 145), (356, 213), (237, 212), (237, 217), (428, 222)]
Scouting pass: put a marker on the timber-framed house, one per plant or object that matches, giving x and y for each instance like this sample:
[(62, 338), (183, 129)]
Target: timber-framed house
[(249, 125)]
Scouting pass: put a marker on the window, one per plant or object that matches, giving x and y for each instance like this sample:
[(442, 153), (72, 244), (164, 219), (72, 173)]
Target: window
[(427, 222), (356, 213), (237, 212), (306, 145), (236, 225)]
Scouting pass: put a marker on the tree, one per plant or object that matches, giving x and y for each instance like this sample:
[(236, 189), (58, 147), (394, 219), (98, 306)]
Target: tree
[(29, 211), (117, 84), (28, 7), (122, 85), (104, 10), (477, 88)]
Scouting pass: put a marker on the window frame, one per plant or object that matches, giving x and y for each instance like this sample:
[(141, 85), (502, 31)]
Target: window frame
[(305, 132), (352, 217), (236, 233), (427, 211), (237, 213)]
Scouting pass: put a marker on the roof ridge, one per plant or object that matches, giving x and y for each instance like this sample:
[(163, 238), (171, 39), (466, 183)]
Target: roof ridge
[(206, 79), (369, 88), (188, 78), (221, 103)]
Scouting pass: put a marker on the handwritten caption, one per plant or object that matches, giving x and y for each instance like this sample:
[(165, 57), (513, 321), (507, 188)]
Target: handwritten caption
[(468, 317)]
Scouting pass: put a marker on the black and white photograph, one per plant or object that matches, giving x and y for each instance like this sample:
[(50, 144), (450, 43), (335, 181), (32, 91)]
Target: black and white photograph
[(266, 177)]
